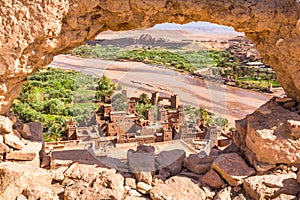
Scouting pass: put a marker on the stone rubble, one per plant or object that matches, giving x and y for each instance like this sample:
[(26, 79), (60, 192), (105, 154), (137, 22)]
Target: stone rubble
[(271, 185), (197, 164), (169, 163), (212, 179), (232, 168), (178, 187), (230, 174)]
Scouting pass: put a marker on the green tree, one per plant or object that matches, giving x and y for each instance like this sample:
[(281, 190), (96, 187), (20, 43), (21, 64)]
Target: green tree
[(105, 87), (144, 99), (119, 102)]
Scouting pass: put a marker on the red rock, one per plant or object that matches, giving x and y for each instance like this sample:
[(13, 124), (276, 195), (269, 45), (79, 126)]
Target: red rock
[(145, 149), (5, 125), (232, 168), (270, 137), (13, 141), (169, 163), (3, 148), (224, 194), (143, 188), (177, 187), (20, 155), (212, 179), (39, 193), (92, 182), (283, 100), (15, 177), (131, 182), (198, 165), (271, 185)]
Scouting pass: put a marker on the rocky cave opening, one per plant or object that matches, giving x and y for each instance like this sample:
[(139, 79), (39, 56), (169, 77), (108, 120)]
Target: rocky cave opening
[(35, 32)]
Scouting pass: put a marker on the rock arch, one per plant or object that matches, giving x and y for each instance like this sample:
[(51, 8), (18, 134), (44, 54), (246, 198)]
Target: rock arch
[(34, 31)]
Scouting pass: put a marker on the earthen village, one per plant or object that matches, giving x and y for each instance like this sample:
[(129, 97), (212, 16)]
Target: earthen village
[(166, 123)]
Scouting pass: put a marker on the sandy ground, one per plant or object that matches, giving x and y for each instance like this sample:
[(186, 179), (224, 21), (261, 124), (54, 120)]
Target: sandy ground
[(230, 102)]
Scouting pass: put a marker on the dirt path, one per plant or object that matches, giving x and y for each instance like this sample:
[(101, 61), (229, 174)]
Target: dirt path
[(230, 102)]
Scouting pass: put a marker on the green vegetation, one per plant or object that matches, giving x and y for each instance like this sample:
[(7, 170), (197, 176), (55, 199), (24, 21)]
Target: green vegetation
[(143, 105), (119, 102), (192, 113), (188, 61), (105, 88), (53, 96)]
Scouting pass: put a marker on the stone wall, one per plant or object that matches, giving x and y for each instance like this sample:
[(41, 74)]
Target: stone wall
[(35, 31)]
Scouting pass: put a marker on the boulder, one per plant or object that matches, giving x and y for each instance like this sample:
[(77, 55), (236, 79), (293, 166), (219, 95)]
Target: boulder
[(232, 168), (24, 130), (197, 164), (3, 148), (224, 194), (5, 125), (270, 135), (15, 177), (21, 197), (30, 153), (169, 163), (212, 179), (13, 141), (92, 182), (262, 167), (283, 100), (293, 128), (20, 155), (177, 187), (39, 193), (131, 182), (134, 193), (58, 174), (209, 193), (142, 164), (33, 131), (191, 175), (271, 185), (145, 177), (145, 149), (111, 162), (143, 188), (135, 164), (67, 157)]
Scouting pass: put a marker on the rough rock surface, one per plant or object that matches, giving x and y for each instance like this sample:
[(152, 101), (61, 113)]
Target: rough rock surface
[(35, 32), (169, 163), (15, 177), (3, 148), (92, 182), (232, 168), (177, 187), (13, 141), (30, 153), (40, 193), (265, 135), (5, 125), (198, 165), (212, 179), (271, 186)]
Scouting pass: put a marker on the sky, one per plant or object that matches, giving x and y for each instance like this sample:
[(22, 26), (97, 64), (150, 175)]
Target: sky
[(195, 27)]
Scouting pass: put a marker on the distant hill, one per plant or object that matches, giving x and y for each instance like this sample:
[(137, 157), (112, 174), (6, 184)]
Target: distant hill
[(188, 36), (205, 28)]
